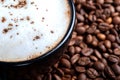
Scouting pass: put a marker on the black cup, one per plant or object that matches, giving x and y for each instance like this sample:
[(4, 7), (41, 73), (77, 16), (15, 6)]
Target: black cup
[(52, 56)]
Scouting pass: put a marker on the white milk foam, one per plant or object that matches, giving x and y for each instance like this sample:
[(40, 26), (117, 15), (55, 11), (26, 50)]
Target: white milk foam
[(30, 28)]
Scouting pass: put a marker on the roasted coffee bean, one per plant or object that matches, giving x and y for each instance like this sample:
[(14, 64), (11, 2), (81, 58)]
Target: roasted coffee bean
[(102, 47), (89, 38), (105, 55), (80, 69), (93, 58), (113, 58), (72, 42), (80, 17), (100, 1), (78, 7), (117, 2), (92, 73), (87, 51), (118, 8), (82, 76), (60, 72), (116, 68), (71, 50), (101, 36), (66, 56), (65, 63), (111, 37), (104, 61), (117, 51), (115, 45), (99, 79), (67, 71), (107, 44), (57, 77), (109, 72), (104, 26), (109, 20), (118, 39), (75, 58), (77, 50), (80, 30), (91, 29), (92, 18), (83, 61), (95, 41), (98, 54), (83, 45), (117, 78), (99, 66), (109, 1), (116, 20)]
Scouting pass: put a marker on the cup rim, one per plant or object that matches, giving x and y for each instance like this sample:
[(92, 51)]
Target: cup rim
[(67, 35)]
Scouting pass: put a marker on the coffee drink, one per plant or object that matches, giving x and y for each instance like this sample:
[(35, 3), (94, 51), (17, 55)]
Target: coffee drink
[(31, 28)]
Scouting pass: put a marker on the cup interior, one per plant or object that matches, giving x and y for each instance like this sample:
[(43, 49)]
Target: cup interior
[(51, 52)]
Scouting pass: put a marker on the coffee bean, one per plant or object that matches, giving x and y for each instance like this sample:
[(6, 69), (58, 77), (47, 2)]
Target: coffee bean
[(117, 2), (106, 55), (92, 18), (109, 72), (59, 72), (101, 36), (80, 69), (57, 77), (102, 47), (104, 26), (109, 1), (109, 20), (116, 68), (83, 45), (117, 51), (115, 45), (95, 41), (113, 58), (116, 20), (91, 29), (80, 17), (87, 51), (71, 50), (107, 44), (80, 30), (66, 56), (100, 1), (77, 50), (67, 70), (111, 37), (118, 39), (118, 8), (81, 1), (72, 42), (82, 76), (83, 61), (99, 79), (99, 66), (104, 61), (65, 63), (117, 78), (89, 38), (98, 54), (78, 7), (93, 58), (92, 73), (75, 58)]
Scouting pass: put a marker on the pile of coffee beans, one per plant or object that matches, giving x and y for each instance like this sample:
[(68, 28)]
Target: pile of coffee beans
[(94, 49)]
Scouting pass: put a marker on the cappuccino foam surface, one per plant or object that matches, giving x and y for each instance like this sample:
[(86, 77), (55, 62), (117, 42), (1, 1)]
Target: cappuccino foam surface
[(30, 28)]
